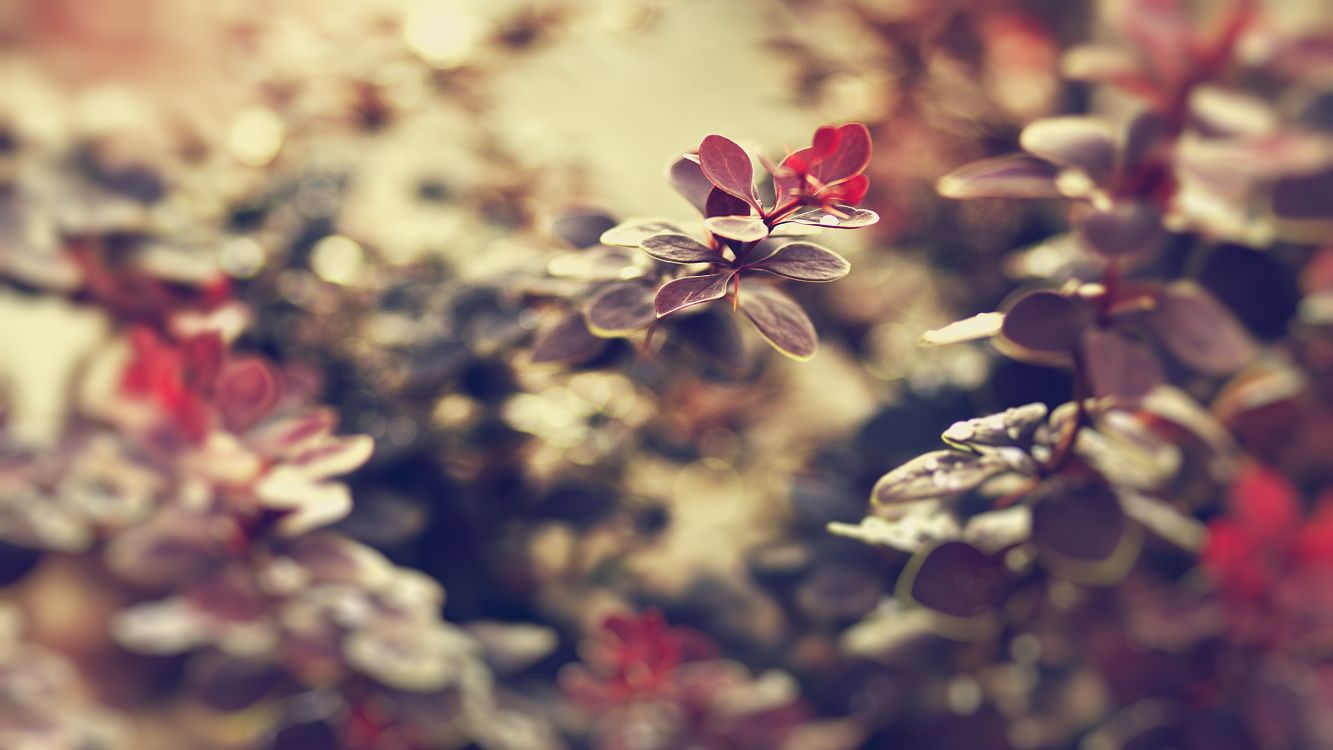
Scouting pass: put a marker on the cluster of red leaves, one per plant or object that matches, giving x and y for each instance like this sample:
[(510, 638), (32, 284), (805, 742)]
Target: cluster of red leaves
[(632, 658), (198, 384), (1271, 559)]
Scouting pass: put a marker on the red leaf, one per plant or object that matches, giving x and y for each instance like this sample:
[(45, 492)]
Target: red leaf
[(247, 389), (727, 166), (850, 157), (722, 203), (1265, 504)]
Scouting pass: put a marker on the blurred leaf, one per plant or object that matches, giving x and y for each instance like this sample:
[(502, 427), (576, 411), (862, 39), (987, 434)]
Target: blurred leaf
[(1127, 228), (781, 321), (715, 334), (594, 264), (1118, 366), (688, 179), (1046, 323), (1200, 332), (1010, 176), (566, 342), (979, 326), (1080, 530), (1009, 427), (956, 579), (691, 290), (678, 248), (633, 232), (621, 309), (727, 166), (804, 261), (918, 525), (245, 391), (582, 228), (1074, 141), (739, 228), (936, 475)]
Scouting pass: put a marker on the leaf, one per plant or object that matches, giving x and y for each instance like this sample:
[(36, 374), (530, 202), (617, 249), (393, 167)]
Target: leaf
[(689, 291), (633, 232), (780, 321), (850, 156), (568, 341), (621, 309), (715, 334), (852, 218), (956, 579), (936, 475), (979, 326), (688, 179), (582, 228), (332, 456), (1074, 141), (739, 228), (1118, 366), (678, 248), (1046, 323), (595, 264), (1009, 176), (728, 167), (722, 203), (1080, 530), (805, 262), (1199, 331), (1009, 427), (920, 525), (245, 391), (1124, 229)]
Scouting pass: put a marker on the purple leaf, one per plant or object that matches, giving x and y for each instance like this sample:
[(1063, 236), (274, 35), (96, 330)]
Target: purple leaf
[(633, 232), (677, 248), (1125, 229), (739, 228), (1200, 332), (1077, 519), (781, 321), (722, 203), (715, 334), (620, 310), (1010, 176), (1118, 366), (1146, 133), (689, 291), (582, 228), (805, 262), (568, 341), (1046, 323), (956, 579), (852, 218), (688, 179), (1083, 142), (727, 166), (936, 475)]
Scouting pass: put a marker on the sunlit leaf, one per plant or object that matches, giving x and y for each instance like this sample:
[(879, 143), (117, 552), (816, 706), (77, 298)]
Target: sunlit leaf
[(936, 475), (781, 321), (1009, 427), (918, 526), (691, 290), (979, 326), (620, 310), (1075, 141), (804, 261), (739, 228), (727, 166), (678, 248), (1010, 176), (852, 218)]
